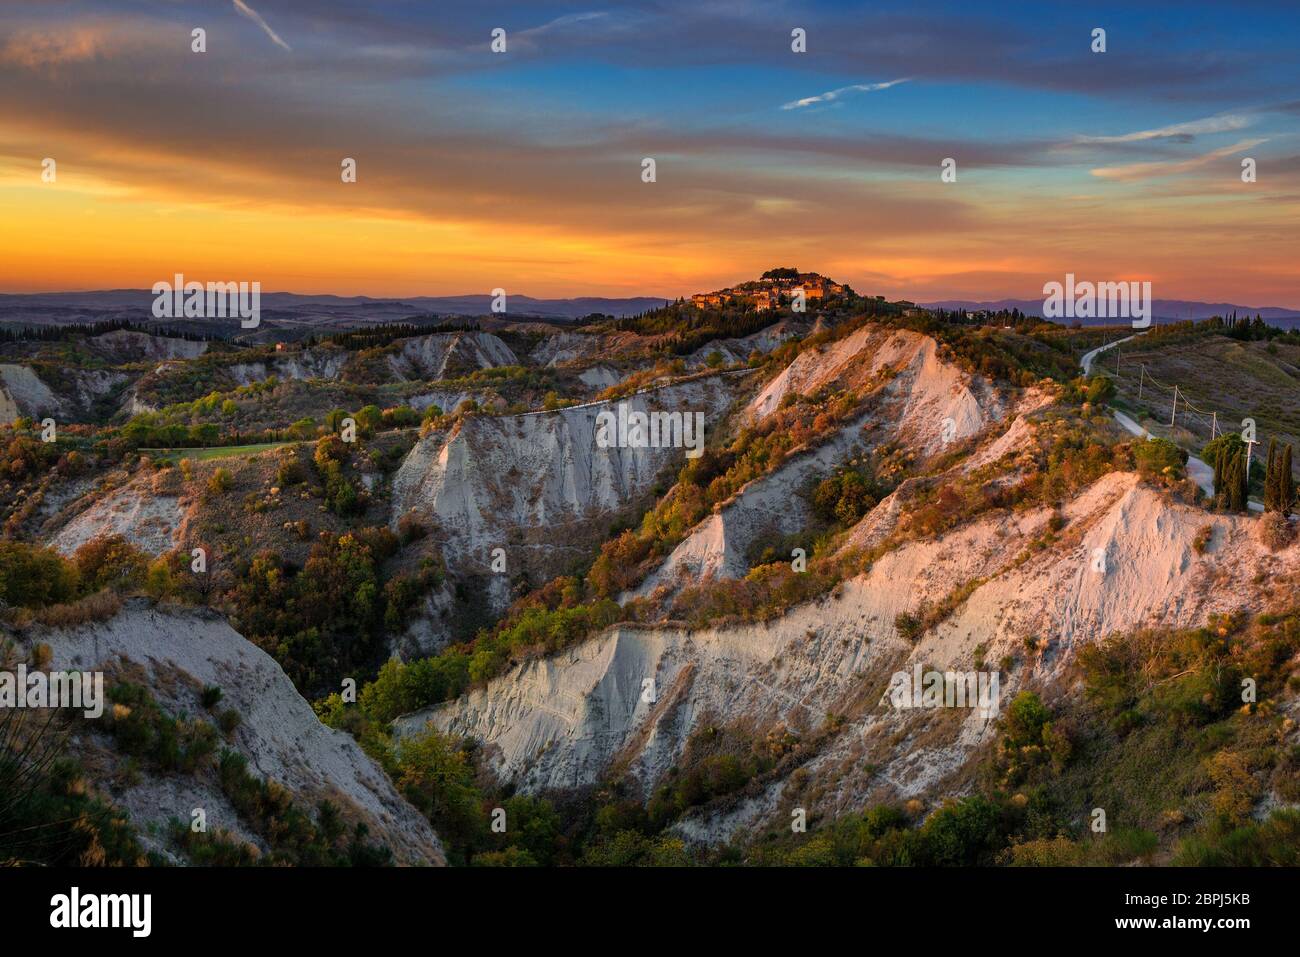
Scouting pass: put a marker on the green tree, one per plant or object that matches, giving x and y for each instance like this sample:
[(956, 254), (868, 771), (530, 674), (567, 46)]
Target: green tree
[(438, 778), (32, 577), (1287, 482), (304, 428), (110, 561), (1235, 483), (334, 419), (1279, 484), (1156, 458), (1272, 483), (369, 418), (1217, 451)]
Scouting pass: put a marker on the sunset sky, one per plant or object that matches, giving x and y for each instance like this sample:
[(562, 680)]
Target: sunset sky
[(522, 170)]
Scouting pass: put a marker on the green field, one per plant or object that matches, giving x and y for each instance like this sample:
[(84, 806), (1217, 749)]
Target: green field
[(219, 452)]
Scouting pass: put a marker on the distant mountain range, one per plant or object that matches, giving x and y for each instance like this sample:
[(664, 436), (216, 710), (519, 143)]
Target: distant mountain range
[(1166, 310), (287, 311), (292, 309)]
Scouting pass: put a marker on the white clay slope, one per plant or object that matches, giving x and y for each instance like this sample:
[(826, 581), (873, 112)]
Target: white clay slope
[(923, 393), (494, 474), (279, 733), (562, 721)]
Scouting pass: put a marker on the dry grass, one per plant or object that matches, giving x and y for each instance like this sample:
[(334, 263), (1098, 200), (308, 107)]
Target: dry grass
[(1274, 531), (100, 606), (1235, 379)]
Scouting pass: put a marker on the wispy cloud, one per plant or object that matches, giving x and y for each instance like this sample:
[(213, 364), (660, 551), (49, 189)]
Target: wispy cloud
[(560, 23), (1224, 123), (41, 48), (1136, 171), (831, 95), (256, 17)]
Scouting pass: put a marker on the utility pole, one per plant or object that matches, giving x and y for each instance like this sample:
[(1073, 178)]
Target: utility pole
[(1174, 414), (1141, 378), (1214, 424)]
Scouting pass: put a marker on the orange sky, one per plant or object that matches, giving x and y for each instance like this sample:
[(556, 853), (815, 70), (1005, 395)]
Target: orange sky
[(225, 166)]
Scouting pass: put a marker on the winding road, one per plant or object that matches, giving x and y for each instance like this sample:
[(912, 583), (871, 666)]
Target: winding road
[(1197, 469)]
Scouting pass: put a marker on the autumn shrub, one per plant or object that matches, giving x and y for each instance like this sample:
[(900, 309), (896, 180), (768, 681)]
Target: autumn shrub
[(99, 606), (110, 561), (1159, 459), (220, 482), (1274, 531), (32, 576)]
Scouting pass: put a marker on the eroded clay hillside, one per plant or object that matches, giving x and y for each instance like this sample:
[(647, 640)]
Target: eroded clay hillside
[(1025, 589), (915, 402), (1022, 532), (539, 485), (175, 654), (618, 640)]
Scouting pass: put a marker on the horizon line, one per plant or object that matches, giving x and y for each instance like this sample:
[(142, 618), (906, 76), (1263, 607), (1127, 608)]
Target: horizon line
[(928, 303)]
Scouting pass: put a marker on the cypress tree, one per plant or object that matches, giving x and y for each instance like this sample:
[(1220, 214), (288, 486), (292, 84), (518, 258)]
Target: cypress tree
[(1220, 474), (1286, 482), (1237, 483), (1271, 489), (1245, 483), (1234, 485)]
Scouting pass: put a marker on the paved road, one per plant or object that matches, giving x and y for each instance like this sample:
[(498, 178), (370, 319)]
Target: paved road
[(1198, 470), (1088, 357)]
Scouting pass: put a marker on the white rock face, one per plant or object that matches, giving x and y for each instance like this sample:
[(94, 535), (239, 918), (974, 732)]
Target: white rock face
[(492, 475), (428, 631), (22, 393), (599, 377), (433, 356), (562, 721), (923, 392), (93, 384), (717, 546), (739, 350), (8, 407), (562, 347), (125, 345), (279, 734), (147, 520), (305, 365), (132, 404), (443, 399), (559, 722), (933, 391)]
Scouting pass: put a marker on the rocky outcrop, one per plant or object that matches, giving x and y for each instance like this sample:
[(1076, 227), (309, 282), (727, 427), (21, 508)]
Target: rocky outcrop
[(923, 403), (564, 721), (540, 480), (739, 350), (177, 652), (445, 355), (934, 392), (305, 365), (147, 520), (23, 393), (125, 345), (564, 347)]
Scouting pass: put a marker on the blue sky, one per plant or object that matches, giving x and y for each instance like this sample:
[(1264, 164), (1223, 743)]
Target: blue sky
[(522, 168)]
